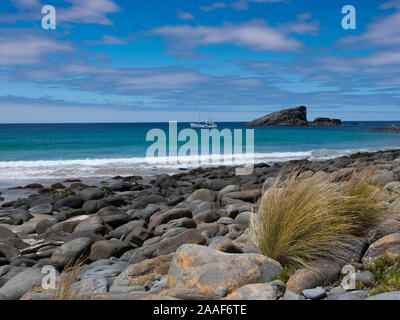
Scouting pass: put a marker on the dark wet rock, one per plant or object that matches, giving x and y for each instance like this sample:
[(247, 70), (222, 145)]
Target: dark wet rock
[(91, 194), (205, 269), (33, 186), (93, 206), (107, 248), (21, 214), (73, 202), (58, 186), (44, 208)]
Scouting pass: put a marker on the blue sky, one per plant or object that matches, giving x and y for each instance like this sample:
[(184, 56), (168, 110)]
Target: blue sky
[(160, 60)]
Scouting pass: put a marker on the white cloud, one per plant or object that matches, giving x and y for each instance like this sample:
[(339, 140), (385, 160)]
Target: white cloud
[(28, 49), (238, 4), (107, 39), (256, 35), (184, 15), (88, 11)]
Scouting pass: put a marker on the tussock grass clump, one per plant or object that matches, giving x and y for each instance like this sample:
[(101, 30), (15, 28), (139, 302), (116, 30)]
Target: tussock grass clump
[(305, 217)]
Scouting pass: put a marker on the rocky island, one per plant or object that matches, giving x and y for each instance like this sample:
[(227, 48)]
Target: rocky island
[(295, 117)]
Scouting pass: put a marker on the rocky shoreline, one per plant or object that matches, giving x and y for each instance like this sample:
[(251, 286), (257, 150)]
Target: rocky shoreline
[(181, 236)]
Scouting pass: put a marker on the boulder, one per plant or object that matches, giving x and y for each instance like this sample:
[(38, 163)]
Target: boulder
[(43, 208), (73, 202), (394, 207), (91, 194), (92, 224), (202, 194), (383, 177), (139, 273), (350, 295), (21, 283), (188, 294), (70, 252), (126, 228), (322, 272), (88, 287), (249, 195), (259, 291), (108, 248), (388, 245), (169, 215), (205, 269), (315, 293), (394, 295)]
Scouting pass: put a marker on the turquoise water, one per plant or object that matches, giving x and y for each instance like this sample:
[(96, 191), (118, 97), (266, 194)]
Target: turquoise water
[(29, 152)]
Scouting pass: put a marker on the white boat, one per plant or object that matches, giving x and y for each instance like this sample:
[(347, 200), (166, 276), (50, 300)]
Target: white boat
[(206, 124)]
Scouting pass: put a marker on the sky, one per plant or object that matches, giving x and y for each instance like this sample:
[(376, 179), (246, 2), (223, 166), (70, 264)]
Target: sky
[(161, 60)]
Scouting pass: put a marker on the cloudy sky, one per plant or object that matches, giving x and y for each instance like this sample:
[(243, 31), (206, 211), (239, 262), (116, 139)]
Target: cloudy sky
[(160, 60)]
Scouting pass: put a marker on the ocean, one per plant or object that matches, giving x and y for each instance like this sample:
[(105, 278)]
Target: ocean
[(54, 152)]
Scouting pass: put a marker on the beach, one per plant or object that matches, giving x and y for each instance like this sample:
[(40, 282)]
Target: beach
[(148, 238)]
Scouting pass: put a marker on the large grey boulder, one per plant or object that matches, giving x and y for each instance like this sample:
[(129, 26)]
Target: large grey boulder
[(394, 295), (17, 286), (91, 194), (259, 291), (204, 269), (69, 252), (43, 208)]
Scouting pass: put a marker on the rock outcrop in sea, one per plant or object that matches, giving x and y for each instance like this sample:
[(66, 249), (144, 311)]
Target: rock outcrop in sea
[(294, 117)]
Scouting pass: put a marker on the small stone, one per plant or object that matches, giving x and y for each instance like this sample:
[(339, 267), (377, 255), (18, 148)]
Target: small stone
[(291, 296), (220, 292), (367, 278), (314, 294)]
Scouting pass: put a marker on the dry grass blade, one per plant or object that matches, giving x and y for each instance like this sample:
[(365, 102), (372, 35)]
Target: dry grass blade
[(67, 277)]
